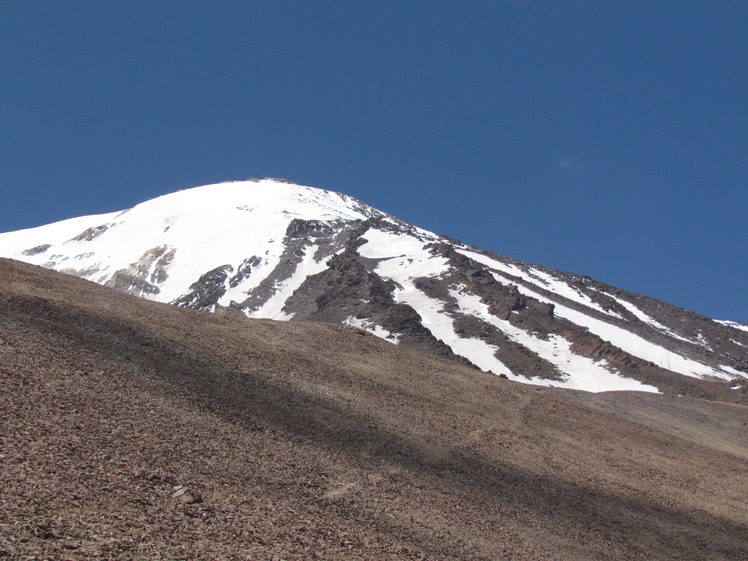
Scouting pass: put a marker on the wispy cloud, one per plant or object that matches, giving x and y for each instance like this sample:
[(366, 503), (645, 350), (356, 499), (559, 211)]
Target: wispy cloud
[(571, 165)]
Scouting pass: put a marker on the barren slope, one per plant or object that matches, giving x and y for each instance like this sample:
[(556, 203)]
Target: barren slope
[(312, 441)]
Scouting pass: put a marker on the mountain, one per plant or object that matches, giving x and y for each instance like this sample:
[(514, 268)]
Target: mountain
[(273, 249), (132, 429)]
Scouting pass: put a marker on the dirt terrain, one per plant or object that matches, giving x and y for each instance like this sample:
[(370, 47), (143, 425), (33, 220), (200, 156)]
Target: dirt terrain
[(136, 430)]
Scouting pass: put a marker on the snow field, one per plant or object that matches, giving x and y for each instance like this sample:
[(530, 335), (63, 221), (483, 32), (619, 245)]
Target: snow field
[(273, 307), (403, 259), (209, 226), (582, 373), (538, 278), (646, 318), (734, 324), (626, 341)]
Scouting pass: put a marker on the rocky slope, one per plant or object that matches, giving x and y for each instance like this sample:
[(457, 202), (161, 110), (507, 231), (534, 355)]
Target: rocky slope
[(136, 430), (272, 249)]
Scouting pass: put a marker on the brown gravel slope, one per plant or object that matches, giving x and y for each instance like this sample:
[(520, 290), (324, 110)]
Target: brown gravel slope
[(312, 441)]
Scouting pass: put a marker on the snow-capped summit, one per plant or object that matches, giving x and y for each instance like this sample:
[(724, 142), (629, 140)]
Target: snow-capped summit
[(271, 248), (163, 245)]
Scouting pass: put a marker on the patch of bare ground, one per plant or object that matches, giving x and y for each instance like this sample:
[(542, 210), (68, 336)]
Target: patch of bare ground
[(716, 424), (135, 430)]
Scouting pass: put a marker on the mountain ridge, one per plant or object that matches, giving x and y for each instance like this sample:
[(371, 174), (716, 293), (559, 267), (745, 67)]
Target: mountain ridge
[(275, 249)]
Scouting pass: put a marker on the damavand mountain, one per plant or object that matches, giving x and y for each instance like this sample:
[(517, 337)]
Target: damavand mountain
[(134, 429), (274, 249)]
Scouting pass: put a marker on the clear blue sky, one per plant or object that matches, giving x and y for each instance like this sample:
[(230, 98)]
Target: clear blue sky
[(603, 138)]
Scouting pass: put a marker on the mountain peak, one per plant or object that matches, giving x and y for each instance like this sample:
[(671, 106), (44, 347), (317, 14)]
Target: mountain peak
[(272, 248)]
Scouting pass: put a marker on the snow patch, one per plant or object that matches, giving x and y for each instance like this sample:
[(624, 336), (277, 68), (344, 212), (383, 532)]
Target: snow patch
[(734, 324), (441, 326), (372, 328), (273, 306), (539, 278), (701, 340), (649, 320), (564, 289), (629, 342), (581, 373), (403, 258)]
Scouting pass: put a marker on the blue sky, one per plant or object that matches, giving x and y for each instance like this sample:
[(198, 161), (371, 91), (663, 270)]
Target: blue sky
[(604, 138)]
